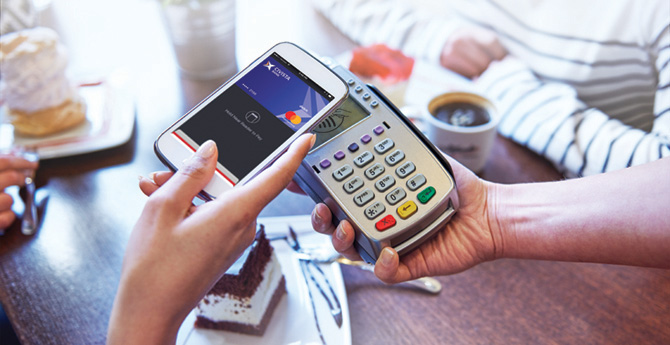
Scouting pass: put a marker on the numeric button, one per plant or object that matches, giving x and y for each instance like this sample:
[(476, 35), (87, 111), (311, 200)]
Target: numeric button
[(343, 172), (395, 157), (405, 169), (384, 145), (385, 183), (364, 197), (363, 159), (374, 171), (353, 185), (395, 196)]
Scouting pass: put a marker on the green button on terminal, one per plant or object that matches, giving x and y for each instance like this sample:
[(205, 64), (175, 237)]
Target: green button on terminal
[(426, 194)]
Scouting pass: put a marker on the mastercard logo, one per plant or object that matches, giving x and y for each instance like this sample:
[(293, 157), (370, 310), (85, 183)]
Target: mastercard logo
[(291, 116)]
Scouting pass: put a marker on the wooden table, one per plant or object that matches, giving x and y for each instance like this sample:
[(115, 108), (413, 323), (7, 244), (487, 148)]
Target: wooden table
[(57, 287)]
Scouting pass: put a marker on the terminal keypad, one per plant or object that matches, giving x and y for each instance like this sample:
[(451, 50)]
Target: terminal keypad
[(387, 172)]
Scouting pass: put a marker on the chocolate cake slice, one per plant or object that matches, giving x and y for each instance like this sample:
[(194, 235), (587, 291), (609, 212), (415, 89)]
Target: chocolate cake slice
[(244, 299)]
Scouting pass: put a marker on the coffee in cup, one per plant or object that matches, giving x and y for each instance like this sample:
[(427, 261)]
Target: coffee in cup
[(462, 114), (462, 125)]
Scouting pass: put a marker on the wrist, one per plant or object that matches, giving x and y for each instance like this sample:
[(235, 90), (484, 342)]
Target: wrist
[(137, 319), (502, 231), (148, 327)]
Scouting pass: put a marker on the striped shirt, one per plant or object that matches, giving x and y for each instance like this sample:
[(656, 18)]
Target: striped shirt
[(586, 84)]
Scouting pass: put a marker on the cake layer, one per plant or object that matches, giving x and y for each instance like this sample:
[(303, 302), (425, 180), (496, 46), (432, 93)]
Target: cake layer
[(243, 278), (230, 307), (257, 329)]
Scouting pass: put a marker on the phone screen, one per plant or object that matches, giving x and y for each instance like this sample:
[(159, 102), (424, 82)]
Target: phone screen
[(254, 116)]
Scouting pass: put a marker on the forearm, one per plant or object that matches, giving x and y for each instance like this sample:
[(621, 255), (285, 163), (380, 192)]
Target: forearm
[(619, 218), (549, 118)]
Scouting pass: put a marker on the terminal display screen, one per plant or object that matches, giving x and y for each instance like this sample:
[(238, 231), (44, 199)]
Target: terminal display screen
[(347, 115)]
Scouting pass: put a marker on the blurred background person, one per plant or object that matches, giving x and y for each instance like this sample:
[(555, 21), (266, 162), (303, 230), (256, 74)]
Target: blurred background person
[(584, 84)]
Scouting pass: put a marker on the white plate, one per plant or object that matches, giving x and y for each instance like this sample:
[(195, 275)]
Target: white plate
[(110, 115), (293, 321)]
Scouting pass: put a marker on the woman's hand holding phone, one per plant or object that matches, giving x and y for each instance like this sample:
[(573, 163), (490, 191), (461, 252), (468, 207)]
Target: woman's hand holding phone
[(177, 251), (255, 115)]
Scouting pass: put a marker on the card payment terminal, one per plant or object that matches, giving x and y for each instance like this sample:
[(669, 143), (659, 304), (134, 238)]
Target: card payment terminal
[(372, 166)]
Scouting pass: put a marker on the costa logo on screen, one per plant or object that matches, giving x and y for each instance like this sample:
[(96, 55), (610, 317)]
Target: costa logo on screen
[(276, 71)]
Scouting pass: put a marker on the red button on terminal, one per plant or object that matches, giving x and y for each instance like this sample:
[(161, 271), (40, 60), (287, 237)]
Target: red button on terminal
[(385, 223)]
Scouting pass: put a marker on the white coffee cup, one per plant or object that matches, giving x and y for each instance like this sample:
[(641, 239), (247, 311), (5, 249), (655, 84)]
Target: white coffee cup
[(203, 37), (457, 136)]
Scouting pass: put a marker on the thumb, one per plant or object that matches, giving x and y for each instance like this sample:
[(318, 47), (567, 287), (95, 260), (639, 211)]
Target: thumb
[(192, 177), (388, 268)]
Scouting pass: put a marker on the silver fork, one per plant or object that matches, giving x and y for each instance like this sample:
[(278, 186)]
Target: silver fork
[(329, 295), (328, 256), (427, 284), (29, 221)]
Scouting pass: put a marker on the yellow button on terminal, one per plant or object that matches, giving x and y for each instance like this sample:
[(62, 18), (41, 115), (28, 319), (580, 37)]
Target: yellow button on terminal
[(407, 209)]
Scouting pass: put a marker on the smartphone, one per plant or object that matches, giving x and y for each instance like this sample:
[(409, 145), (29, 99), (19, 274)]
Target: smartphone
[(255, 115)]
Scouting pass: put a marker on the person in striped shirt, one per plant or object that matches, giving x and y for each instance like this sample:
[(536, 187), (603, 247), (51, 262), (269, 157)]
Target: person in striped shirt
[(585, 84)]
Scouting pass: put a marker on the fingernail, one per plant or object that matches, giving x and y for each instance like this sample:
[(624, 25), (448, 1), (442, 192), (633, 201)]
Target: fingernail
[(140, 177), (152, 176), (312, 140), (386, 256), (316, 218), (204, 152), (340, 233), (207, 149)]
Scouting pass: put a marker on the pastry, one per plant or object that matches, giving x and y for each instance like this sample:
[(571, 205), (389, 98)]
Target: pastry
[(38, 97)]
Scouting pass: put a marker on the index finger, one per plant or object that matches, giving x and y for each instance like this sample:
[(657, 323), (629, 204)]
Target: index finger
[(269, 183), (190, 179), (8, 162), (11, 178)]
